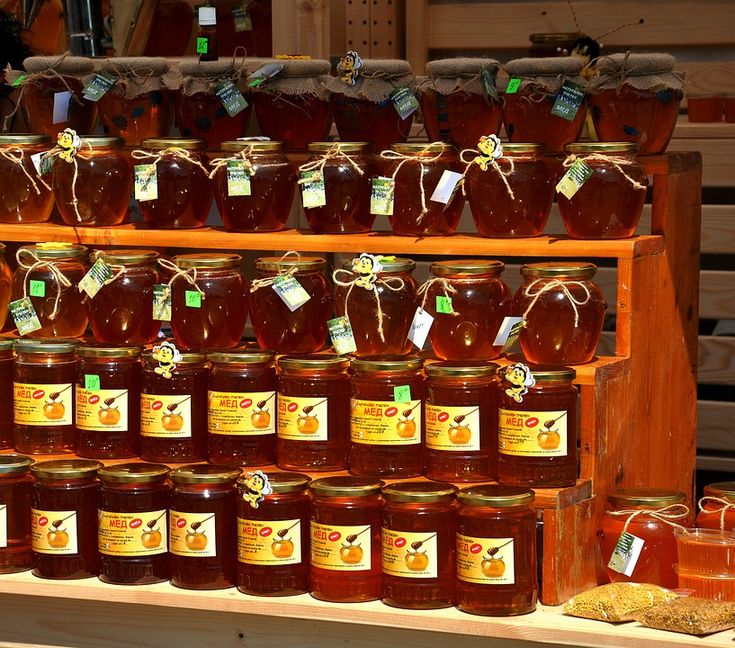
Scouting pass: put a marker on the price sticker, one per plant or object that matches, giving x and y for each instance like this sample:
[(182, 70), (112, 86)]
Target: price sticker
[(193, 299), (402, 393), (202, 45), (444, 304), (37, 288), (92, 382), (513, 86)]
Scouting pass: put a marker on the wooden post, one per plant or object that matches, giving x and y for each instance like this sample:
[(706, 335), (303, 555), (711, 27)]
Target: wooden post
[(301, 27), (417, 34)]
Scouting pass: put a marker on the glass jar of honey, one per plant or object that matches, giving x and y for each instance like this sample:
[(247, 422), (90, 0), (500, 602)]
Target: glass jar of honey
[(48, 274), (496, 551), (468, 301), (346, 523), (6, 281), (527, 112), (64, 518), (279, 323), (242, 408), (459, 100), (293, 106), (43, 396), (537, 426), (173, 405), (15, 513), (510, 196), (138, 106), (183, 189), (254, 185), (273, 540), (107, 396), (386, 421), (419, 541), (378, 297), (313, 412), (564, 311), (635, 98), (7, 360), (94, 188), (122, 311), (416, 170), (717, 507), (203, 527), (651, 515), (461, 421), (347, 170), (610, 202), (553, 44), (209, 300), (132, 530), (26, 199)]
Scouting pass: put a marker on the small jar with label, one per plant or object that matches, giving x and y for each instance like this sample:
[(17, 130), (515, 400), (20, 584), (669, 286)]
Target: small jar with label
[(461, 421), (209, 300), (254, 185), (496, 551), (378, 297), (7, 360), (108, 402), (122, 311), (291, 303), (66, 498), (273, 534), (609, 203), (203, 527), (26, 199), (133, 526), (468, 301), (510, 196), (717, 507), (15, 513), (386, 417), (643, 519), (242, 408), (94, 188), (48, 275), (173, 188), (342, 173), (346, 523), (313, 412), (43, 396), (537, 426), (173, 405), (419, 542), (563, 311), (6, 280), (416, 171)]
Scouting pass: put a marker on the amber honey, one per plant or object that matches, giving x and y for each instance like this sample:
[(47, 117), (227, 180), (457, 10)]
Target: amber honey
[(25, 198), (202, 115), (6, 281), (37, 105), (136, 119), (15, 513), (708, 552), (365, 120), (7, 359), (295, 120), (717, 507)]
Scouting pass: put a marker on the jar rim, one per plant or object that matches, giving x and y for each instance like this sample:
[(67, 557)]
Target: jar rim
[(15, 464), (242, 357), (387, 364), (467, 266), (133, 472), (65, 468), (314, 361), (495, 495), (546, 373), (522, 147), (45, 345), (207, 260), (187, 357), (282, 482), (346, 147), (420, 491), (303, 263), (417, 148), (95, 142), (93, 351), (722, 489), (11, 139), (559, 269), (126, 257), (649, 497), (258, 146), (457, 369), (186, 143), (346, 486), (601, 147), (7, 344), (51, 250), (390, 264), (205, 474)]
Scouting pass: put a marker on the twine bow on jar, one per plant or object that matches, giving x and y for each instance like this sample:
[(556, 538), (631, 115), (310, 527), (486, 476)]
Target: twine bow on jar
[(36, 263), (667, 515), (172, 151), (16, 155), (190, 275), (335, 151), (71, 155), (444, 285), (725, 506), (243, 155), (256, 284), (552, 285), (616, 160), (492, 163)]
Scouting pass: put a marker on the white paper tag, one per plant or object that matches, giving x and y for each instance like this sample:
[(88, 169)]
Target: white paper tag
[(420, 327), (290, 291), (36, 159), (626, 553), (505, 330), (446, 187), (61, 107)]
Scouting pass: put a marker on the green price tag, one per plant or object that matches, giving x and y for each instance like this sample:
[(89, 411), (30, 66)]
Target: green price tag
[(513, 86), (202, 45), (444, 304), (290, 291), (24, 316), (37, 288), (19, 80), (162, 302), (381, 197), (343, 339), (92, 382), (92, 282), (402, 394), (313, 191), (238, 179), (574, 178), (193, 298), (404, 101)]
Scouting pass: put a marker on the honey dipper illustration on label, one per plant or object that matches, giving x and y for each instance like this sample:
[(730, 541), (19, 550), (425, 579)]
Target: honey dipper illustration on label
[(416, 557), (261, 417), (57, 536), (196, 539), (173, 421), (406, 426), (151, 537), (282, 545), (351, 552), (307, 422), (109, 414), (54, 409), (492, 563), (549, 438), (459, 431)]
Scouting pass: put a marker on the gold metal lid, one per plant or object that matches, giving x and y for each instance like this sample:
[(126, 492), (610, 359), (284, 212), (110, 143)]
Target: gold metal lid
[(390, 264), (313, 361), (346, 486), (46, 345), (214, 260), (257, 146), (127, 257), (134, 472), (420, 491), (648, 497), (546, 373), (58, 251), (601, 147), (415, 148), (15, 464), (388, 363), (303, 263), (94, 351), (467, 267), (346, 147), (187, 357), (186, 143), (456, 369), (101, 142), (7, 344), (16, 139), (495, 495), (65, 468), (205, 474), (522, 147), (559, 269), (725, 490), (282, 482), (245, 356)]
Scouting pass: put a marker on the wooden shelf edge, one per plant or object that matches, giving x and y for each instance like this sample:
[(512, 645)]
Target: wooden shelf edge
[(546, 625), (601, 368)]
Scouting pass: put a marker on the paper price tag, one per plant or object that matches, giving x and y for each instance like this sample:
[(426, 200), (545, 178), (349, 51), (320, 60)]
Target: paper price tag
[(61, 107), (444, 304), (97, 275), (238, 179), (19, 80), (241, 18), (404, 101), (508, 332), (193, 299), (202, 45), (37, 288), (146, 182), (574, 178), (162, 302), (489, 86), (568, 101), (381, 196), (92, 382), (420, 326), (231, 98), (343, 339), (446, 187), (24, 316), (402, 393), (313, 192), (99, 86), (626, 553), (513, 86), (290, 291)]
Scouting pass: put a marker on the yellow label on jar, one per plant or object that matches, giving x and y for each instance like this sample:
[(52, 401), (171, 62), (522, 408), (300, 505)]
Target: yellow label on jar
[(192, 534), (273, 542), (410, 555), (132, 534), (532, 434), (103, 410), (3, 526), (385, 422), (303, 419), (452, 428), (241, 414), (488, 561), (340, 548), (35, 404), (165, 416), (54, 532)]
